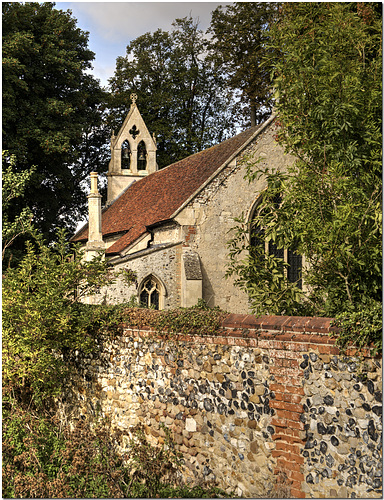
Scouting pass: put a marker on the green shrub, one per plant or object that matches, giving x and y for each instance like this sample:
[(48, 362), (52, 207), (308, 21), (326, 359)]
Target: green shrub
[(43, 460)]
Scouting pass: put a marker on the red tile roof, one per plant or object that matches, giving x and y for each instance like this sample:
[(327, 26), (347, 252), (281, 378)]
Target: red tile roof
[(157, 197)]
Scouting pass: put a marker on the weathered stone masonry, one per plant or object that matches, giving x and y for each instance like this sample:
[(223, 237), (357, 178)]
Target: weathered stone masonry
[(267, 395)]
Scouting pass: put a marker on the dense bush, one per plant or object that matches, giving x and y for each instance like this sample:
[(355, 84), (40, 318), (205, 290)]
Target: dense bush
[(43, 460)]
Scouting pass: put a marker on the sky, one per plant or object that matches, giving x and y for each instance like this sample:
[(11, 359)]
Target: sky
[(112, 25)]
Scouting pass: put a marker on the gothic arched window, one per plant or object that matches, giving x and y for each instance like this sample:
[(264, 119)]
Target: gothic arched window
[(125, 155), (150, 293), (257, 239), (141, 156)]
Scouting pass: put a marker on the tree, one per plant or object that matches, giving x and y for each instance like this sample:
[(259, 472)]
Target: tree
[(44, 319), (14, 186), (240, 35), (328, 89), (51, 110), (182, 98)]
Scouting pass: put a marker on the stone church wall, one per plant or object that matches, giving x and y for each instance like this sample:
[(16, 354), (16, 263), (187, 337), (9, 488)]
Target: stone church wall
[(163, 263), (212, 215), (268, 407)]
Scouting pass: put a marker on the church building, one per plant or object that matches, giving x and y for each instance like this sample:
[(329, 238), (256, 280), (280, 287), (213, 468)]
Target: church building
[(171, 226)]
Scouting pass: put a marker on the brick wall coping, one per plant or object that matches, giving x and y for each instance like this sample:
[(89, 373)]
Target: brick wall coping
[(299, 324), (245, 329)]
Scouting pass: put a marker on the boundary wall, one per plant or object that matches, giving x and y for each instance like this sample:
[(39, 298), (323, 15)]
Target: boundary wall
[(268, 407)]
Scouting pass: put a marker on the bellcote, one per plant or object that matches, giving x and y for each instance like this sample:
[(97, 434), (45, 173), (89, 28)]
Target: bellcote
[(133, 153)]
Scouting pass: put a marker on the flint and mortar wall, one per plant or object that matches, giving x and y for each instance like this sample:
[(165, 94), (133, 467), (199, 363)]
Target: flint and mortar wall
[(265, 396)]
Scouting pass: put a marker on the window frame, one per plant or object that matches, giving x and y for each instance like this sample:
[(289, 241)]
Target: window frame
[(159, 287), (285, 253)]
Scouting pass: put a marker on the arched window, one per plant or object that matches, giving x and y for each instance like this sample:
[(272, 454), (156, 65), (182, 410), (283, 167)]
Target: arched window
[(150, 293), (141, 156), (257, 239), (125, 155)]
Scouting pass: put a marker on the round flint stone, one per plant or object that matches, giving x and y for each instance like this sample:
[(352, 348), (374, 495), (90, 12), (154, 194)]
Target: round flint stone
[(311, 443), (221, 408), (326, 472), (328, 400), (370, 387), (208, 405), (323, 447), (378, 410), (335, 441), (321, 429)]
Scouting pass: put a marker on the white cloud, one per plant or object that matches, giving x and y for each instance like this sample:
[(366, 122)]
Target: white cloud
[(112, 25), (114, 21)]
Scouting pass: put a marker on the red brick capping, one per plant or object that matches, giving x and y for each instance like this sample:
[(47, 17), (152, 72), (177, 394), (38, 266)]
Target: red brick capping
[(280, 323)]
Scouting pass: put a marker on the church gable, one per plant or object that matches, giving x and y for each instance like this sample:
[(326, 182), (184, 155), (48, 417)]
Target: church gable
[(133, 153)]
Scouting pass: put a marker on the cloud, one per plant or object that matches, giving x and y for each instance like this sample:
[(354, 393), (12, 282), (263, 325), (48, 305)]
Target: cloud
[(124, 21), (112, 25)]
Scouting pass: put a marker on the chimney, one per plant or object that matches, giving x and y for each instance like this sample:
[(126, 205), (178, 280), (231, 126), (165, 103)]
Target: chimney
[(95, 242)]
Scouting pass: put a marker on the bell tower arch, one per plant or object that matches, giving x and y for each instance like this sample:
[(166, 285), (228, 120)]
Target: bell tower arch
[(133, 153)]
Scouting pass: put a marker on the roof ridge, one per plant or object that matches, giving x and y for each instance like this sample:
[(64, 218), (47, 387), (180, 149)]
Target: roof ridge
[(210, 147)]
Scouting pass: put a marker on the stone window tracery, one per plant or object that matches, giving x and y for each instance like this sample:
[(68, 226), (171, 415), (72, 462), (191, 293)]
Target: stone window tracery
[(150, 293)]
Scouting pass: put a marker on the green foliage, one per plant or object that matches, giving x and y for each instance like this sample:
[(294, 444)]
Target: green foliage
[(198, 320), (52, 111), (43, 460), (14, 186), (180, 94), (239, 45), (43, 319), (328, 84), (262, 276), (361, 329)]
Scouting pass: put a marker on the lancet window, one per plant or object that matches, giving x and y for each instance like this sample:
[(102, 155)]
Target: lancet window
[(125, 155), (150, 293), (141, 156)]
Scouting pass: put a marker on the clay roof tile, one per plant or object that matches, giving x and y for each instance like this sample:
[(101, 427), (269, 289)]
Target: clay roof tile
[(156, 197)]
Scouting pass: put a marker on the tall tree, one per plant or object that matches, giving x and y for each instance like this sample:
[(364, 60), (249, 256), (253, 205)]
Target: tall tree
[(182, 98), (329, 90), (50, 106), (240, 35)]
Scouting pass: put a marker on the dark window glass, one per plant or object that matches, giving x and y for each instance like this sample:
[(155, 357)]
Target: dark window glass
[(294, 260), (155, 299), (294, 269), (144, 298), (149, 295)]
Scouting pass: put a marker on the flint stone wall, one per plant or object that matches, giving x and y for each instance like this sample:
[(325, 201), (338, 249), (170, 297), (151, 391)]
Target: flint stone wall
[(267, 398)]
